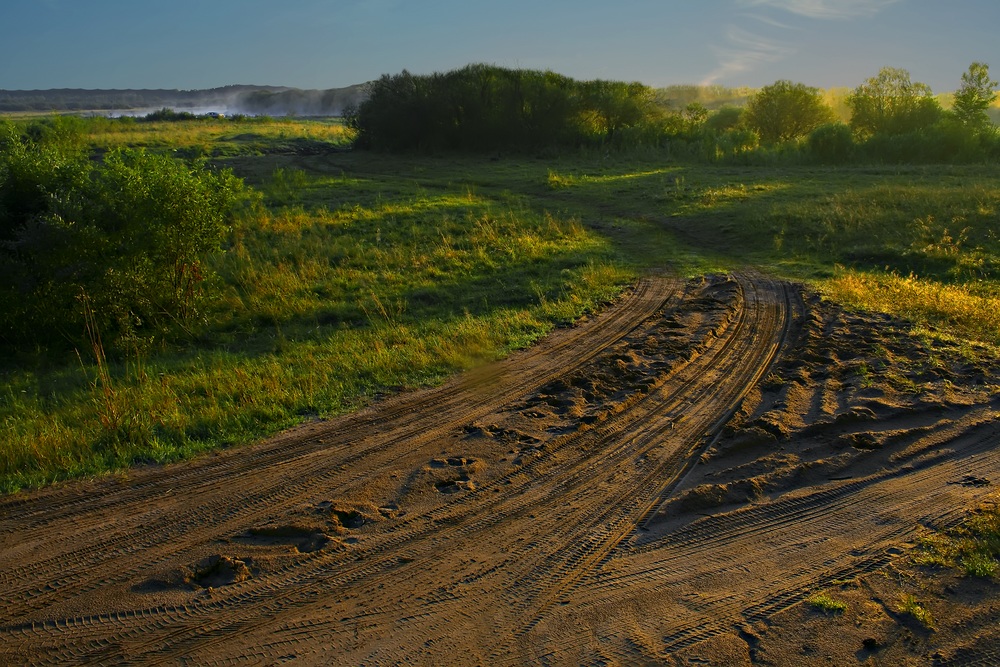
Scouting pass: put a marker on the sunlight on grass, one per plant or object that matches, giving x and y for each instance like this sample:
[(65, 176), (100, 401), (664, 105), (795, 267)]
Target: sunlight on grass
[(972, 310), (319, 311), (972, 546), (557, 180), (220, 136), (356, 274)]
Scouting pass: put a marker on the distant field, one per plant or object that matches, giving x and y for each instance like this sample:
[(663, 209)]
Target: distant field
[(361, 274)]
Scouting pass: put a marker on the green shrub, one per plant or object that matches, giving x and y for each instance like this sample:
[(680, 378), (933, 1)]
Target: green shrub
[(831, 143), (827, 604), (128, 234)]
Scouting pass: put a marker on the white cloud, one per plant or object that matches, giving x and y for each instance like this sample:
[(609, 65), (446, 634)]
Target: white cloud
[(746, 52), (824, 9)]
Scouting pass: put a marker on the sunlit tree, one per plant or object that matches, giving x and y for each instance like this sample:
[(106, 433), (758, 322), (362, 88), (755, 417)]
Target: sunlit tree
[(613, 105), (890, 103), (975, 96), (785, 111)]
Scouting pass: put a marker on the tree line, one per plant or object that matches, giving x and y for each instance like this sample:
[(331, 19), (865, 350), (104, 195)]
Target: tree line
[(482, 107), (489, 108)]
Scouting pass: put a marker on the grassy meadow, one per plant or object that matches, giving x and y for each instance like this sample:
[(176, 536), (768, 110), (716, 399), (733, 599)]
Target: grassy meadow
[(357, 274)]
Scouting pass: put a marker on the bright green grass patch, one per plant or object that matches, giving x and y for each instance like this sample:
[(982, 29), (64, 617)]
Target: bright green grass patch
[(909, 606), (972, 546), (827, 604), (222, 137)]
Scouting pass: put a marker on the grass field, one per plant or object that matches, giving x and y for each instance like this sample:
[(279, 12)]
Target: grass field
[(359, 274)]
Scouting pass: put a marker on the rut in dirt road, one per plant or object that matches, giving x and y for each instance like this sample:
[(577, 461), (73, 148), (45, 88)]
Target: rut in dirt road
[(512, 516)]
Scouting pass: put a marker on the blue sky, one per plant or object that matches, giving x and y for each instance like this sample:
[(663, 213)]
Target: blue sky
[(332, 43)]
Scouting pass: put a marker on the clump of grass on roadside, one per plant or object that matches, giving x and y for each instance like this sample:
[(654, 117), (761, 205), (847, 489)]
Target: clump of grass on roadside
[(973, 546), (911, 607), (969, 309), (827, 604)]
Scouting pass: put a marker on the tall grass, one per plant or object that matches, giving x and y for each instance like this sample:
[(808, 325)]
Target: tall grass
[(222, 137), (968, 310), (359, 274), (319, 310)]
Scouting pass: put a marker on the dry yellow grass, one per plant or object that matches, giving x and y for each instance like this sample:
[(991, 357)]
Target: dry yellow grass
[(962, 308)]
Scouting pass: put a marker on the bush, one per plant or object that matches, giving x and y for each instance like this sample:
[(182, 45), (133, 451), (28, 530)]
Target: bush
[(127, 234), (831, 143), (947, 141), (168, 115)]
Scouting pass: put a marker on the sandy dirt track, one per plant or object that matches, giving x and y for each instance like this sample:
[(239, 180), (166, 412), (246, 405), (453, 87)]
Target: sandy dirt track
[(661, 484)]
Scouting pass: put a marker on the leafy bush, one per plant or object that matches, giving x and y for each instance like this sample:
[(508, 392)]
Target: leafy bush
[(831, 143), (168, 115), (891, 104), (127, 234), (945, 142), (784, 111)]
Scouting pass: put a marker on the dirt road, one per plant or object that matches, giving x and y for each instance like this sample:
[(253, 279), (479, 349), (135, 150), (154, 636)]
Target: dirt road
[(656, 484)]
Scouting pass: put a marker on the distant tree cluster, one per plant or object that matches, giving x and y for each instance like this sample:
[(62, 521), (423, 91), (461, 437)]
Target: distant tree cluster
[(483, 107), (119, 242), (488, 108)]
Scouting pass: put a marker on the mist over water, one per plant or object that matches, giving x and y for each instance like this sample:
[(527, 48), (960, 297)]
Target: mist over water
[(229, 101)]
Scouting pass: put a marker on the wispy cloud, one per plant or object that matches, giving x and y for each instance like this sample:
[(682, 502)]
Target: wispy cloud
[(746, 51), (767, 20), (824, 9)]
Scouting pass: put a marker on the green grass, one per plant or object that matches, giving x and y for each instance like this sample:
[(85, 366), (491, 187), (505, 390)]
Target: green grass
[(222, 137), (342, 288), (917, 242), (360, 273), (909, 606), (827, 604), (973, 546)]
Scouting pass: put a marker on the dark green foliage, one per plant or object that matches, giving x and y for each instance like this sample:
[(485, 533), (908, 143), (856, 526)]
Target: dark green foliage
[(891, 104), (784, 111), (975, 96), (726, 118), (168, 115), (944, 142), (831, 143), (486, 108), (127, 234)]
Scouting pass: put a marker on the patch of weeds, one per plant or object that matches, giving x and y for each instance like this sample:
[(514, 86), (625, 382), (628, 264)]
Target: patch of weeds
[(972, 546), (557, 181), (979, 563), (866, 375), (827, 604), (910, 606)]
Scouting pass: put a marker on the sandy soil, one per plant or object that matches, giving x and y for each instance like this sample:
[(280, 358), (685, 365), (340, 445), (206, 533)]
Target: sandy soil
[(666, 483)]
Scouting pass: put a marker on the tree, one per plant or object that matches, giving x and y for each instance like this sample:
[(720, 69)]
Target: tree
[(975, 96), (891, 104), (785, 111), (612, 105)]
